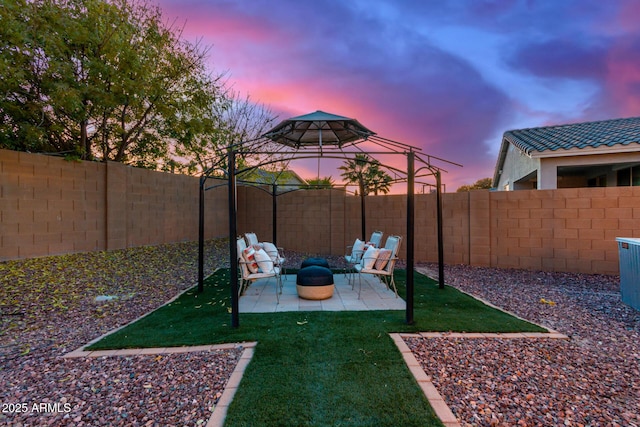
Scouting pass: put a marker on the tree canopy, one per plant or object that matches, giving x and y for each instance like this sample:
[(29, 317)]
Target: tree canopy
[(484, 183), (107, 80)]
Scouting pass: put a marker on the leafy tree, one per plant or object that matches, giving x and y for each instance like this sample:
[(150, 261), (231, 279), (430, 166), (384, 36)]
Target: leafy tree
[(105, 79), (484, 183), (320, 183), (367, 174), (21, 63)]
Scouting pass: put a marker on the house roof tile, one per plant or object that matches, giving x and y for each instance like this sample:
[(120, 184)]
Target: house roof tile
[(576, 135)]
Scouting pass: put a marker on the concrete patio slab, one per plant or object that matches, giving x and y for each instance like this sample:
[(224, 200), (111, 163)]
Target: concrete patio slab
[(260, 297)]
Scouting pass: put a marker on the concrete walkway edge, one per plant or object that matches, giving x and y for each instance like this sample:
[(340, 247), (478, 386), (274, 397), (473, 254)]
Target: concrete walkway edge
[(221, 408), (424, 381)]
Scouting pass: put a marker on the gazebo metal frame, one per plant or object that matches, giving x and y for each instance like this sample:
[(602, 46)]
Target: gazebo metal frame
[(330, 135)]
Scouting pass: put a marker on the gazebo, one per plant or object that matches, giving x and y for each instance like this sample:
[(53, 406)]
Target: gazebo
[(322, 135)]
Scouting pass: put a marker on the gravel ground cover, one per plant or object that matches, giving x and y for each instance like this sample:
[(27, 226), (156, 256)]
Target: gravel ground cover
[(593, 379), (50, 306), (153, 390)]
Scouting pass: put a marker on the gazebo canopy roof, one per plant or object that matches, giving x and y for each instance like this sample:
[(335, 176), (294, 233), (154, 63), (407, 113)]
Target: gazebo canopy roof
[(318, 129)]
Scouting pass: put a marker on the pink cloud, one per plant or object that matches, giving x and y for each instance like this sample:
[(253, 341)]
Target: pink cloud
[(623, 82), (627, 17)]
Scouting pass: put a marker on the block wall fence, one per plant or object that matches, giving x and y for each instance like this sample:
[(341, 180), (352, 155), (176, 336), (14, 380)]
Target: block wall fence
[(50, 206)]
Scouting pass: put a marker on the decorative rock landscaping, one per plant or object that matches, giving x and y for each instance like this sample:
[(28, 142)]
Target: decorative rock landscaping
[(591, 380)]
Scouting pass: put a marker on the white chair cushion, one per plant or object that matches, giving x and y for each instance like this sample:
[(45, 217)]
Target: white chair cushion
[(252, 276), (352, 259), (375, 238), (241, 245), (356, 251), (369, 257), (271, 250), (265, 263)]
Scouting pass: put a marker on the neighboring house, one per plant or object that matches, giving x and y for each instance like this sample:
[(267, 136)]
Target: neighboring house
[(286, 180), (591, 154)]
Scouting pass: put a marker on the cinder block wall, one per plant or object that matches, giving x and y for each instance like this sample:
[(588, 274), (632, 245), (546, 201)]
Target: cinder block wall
[(563, 230), (161, 207), (321, 222), (385, 213), (307, 221), (51, 206), (570, 230)]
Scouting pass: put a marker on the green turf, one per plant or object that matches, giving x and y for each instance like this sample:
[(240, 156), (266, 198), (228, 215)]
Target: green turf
[(318, 368)]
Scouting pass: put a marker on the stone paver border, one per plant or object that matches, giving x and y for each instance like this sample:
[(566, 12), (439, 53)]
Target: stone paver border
[(436, 401)]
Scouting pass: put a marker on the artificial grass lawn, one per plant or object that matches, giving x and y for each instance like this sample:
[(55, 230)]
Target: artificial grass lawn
[(318, 368)]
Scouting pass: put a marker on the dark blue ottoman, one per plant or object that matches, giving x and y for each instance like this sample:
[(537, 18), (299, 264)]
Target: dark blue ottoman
[(315, 283)]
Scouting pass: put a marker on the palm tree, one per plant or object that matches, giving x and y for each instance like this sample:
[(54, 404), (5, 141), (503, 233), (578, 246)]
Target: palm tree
[(366, 173), (376, 180)]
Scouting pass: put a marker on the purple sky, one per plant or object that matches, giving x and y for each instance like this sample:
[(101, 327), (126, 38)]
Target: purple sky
[(448, 76)]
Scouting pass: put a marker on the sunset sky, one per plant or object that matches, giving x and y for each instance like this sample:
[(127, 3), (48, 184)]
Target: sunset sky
[(449, 76)]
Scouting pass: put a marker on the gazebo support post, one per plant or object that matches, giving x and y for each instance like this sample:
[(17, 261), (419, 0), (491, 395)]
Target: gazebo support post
[(203, 179), (440, 238), (274, 214), (233, 232), (410, 231), (363, 213)]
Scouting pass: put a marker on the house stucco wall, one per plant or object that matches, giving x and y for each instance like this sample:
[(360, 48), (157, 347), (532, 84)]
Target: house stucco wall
[(516, 166)]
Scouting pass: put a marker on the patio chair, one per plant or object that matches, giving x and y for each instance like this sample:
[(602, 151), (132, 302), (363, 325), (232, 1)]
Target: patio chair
[(380, 263), (254, 265), (356, 251), (251, 238), (274, 252), (353, 257)]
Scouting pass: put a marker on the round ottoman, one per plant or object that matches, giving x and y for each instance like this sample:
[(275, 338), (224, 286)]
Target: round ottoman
[(315, 261), (315, 283)]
